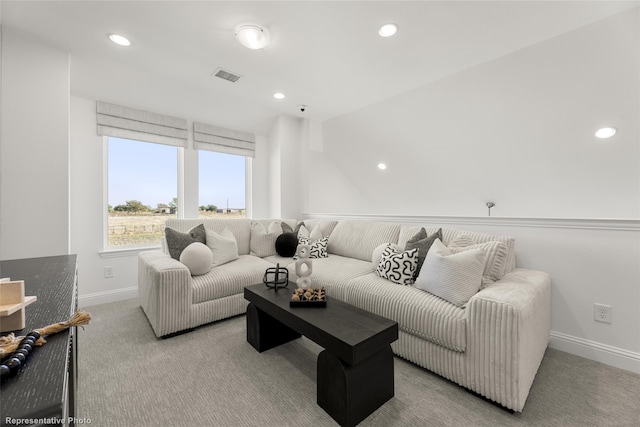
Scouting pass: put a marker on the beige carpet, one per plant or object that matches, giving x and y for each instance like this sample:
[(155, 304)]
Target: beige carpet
[(213, 377)]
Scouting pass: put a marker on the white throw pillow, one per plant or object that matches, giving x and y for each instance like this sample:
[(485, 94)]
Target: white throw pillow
[(315, 234), (452, 277), (197, 257), (496, 257), (223, 247), (263, 240), (398, 266)]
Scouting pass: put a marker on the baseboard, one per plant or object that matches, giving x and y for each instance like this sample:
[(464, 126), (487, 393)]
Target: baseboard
[(107, 296), (609, 355)]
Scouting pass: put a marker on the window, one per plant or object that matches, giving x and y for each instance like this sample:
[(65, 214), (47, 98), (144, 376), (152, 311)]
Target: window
[(222, 185), (142, 190)]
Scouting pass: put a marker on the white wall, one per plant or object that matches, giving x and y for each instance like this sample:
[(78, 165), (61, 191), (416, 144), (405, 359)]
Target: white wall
[(517, 131), (87, 207), (87, 215), (284, 172), (34, 214)]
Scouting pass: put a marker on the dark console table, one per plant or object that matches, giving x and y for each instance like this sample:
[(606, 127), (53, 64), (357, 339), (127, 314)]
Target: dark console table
[(44, 389)]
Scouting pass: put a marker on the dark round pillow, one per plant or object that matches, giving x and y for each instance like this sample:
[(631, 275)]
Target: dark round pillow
[(286, 244)]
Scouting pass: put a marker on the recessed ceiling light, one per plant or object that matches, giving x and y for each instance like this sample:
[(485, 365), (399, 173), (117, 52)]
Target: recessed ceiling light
[(387, 30), (607, 132), (251, 36), (382, 166), (278, 95), (120, 40)]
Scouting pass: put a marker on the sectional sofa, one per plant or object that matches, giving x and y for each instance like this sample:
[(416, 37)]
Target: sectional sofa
[(492, 344)]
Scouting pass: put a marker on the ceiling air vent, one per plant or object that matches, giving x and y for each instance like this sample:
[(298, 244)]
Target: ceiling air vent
[(226, 75)]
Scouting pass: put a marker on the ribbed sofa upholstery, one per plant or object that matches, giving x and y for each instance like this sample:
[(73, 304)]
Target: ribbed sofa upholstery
[(493, 345)]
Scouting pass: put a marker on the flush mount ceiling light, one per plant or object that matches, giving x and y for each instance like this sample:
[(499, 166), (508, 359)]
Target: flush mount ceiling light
[(382, 166), (251, 36), (119, 40), (387, 30), (278, 95), (607, 132)]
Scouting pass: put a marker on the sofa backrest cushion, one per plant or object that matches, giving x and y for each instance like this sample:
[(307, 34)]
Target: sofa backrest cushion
[(358, 238), (449, 234), (240, 228), (263, 238), (324, 226)]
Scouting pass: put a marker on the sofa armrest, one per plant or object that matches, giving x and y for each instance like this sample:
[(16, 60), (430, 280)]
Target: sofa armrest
[(508, 333), (164, 292)]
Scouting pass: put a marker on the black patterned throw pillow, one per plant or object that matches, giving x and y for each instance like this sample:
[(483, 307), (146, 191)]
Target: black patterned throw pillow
[(318, 247), (397, 266)]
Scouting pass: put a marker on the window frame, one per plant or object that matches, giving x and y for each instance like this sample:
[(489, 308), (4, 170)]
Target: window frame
[(184, 202), (113, 250)]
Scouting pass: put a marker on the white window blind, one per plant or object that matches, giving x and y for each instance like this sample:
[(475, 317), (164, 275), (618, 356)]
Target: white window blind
[(214, 138), (129, 123)]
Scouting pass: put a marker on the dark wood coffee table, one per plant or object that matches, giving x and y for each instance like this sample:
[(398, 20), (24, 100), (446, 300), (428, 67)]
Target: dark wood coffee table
[(355, 369)]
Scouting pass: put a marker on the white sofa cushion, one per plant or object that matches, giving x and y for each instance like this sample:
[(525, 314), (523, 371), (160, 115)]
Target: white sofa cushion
[(417, 312), (449, 234), (358, 239), (223, 246), (333, 273), (240, 227), (197, 257), (453, 277), (324, 226), (496, 258), (263, 239), (229, 279)]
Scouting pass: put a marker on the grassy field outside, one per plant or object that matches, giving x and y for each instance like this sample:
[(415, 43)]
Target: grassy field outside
[(148, 228)]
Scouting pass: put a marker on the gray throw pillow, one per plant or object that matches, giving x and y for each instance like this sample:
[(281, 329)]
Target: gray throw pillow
[(177, 241), (286, 228), (422, 242)]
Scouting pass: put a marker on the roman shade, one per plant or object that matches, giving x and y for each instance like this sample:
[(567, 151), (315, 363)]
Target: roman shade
[(123, 122), (215, 138)]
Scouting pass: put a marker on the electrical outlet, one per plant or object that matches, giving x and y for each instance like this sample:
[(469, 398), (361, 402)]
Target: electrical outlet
[(602, 313), (108, 272)]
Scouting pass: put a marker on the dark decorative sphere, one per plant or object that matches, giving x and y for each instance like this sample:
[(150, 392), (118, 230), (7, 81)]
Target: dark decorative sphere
[(34, 334), (4, 371), (22, 351), (286, 244), (26, 346), (13, 364), (28, 340), (20, 356)]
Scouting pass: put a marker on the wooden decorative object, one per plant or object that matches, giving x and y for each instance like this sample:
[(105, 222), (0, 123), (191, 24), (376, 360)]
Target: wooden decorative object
[(12, 304), (308, 298)]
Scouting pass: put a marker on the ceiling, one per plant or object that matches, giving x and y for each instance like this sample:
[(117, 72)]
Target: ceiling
[(324, 54)]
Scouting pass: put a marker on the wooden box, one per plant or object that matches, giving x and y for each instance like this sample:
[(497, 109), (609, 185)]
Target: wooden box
[(12, 305)]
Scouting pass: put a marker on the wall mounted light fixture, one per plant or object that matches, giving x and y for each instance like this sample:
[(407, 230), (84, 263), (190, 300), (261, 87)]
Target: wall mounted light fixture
[(490, 205)]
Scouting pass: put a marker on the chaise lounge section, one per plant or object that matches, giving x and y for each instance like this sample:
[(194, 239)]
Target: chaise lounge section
[(493, 344)]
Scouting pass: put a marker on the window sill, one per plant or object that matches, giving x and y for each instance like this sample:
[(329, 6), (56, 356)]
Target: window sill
[(125, 252)]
